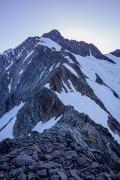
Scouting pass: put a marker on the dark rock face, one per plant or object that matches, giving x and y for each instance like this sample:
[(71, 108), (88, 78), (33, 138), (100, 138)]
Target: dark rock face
[(22, 85), (114, 125), (116, 53), (64, 75), (42, 106)]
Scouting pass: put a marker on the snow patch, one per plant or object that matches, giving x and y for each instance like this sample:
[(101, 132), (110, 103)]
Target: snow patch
[(7, 132), (40, 127), (69, 59), (49, 43), (18, 81), (28, 55), (57, 65), (47, 85), (51, 68), (9, 86), (21, 72), (7, 122), (9, 65), (20, 53)]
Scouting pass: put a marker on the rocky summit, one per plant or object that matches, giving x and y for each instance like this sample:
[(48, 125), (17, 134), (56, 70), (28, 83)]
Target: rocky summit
[(59, 111)]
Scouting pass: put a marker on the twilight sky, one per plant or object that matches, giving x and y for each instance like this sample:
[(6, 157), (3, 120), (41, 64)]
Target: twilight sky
[(94, 21)]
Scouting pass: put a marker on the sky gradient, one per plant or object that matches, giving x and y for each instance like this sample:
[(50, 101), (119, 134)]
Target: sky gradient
[(93, 21)]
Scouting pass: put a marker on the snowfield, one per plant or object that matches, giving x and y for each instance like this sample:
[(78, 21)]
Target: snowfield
[(111, 103), (108, 72)]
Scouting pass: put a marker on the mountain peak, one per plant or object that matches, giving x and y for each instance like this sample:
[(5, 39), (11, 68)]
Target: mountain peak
[(51, 98), (54, 34), (55, 31), (77, 47)]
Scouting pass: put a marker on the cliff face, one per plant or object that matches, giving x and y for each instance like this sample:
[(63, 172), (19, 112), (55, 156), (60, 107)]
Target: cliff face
[(70, 89)]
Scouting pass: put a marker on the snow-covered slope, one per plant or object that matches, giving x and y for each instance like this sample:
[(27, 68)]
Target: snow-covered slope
[(110, 75), (108, 72)]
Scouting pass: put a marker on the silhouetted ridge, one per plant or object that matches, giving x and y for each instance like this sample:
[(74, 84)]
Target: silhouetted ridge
[(81, 48), (116, 53)]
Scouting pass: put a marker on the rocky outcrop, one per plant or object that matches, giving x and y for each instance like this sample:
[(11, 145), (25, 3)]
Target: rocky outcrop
[(114, 125), (42, 106)]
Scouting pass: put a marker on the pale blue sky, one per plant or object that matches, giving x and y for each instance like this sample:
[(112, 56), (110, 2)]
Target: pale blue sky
[(94, 21)]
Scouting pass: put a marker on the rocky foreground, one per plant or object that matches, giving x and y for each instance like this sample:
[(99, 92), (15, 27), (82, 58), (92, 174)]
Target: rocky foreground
[(75, 148)]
